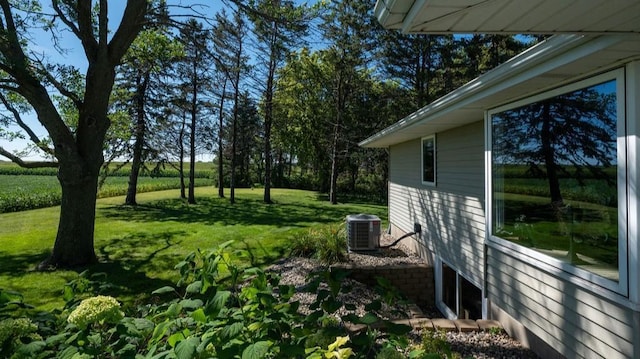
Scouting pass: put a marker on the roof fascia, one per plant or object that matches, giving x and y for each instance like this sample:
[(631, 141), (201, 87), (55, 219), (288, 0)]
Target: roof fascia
[(382, 10), (552, 53), (407, 22)]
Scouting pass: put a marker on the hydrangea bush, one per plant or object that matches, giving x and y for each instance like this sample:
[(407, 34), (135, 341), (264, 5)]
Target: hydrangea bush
[(218, 310), (96, 310)]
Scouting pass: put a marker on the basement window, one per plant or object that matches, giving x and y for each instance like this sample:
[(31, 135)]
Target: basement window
[(458, 297)]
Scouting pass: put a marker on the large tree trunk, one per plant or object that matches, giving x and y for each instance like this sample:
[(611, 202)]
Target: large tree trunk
[(268, 120), (181, 145), (333, 192), (549, 157), (192, 136), (74, 241)]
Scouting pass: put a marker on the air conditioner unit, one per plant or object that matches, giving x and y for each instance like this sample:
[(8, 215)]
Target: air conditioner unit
[(363, 232)]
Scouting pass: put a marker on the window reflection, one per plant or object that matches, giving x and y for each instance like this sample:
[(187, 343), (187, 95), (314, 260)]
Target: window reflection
[(554, 177), (429, 160)]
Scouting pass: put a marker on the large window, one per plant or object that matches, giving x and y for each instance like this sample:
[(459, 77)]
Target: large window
[(429, 160), (556, 187)]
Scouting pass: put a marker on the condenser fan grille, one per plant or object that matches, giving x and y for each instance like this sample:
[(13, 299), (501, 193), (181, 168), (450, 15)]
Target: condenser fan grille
[(363, 232)]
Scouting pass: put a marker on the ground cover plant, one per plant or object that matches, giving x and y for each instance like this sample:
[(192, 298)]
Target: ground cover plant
[(218, 308), (138, 246)]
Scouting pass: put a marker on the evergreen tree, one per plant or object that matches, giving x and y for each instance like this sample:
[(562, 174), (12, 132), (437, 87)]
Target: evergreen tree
[(140, 79), (278, 27), (195, 71), (78, 147)]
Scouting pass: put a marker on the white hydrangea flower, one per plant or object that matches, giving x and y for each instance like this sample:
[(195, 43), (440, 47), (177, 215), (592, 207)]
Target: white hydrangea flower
[(100, 309)]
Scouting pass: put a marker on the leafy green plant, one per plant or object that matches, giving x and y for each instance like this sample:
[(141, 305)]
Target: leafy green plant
[(326, 243), (390, 353), (220, 308), (434, 345)]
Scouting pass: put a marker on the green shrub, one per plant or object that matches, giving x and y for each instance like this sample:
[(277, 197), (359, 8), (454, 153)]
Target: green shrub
[(218, 309), (390, 353), (434, 345), (327, 243)]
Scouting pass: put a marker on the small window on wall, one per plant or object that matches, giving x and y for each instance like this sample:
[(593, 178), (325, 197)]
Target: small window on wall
[(429, 160)]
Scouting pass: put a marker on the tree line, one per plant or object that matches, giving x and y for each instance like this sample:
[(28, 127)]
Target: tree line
[(276, 92)]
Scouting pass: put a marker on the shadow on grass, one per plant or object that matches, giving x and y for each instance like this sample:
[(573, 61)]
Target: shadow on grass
[(128, 261), (355, 199), (17, 264), (128, 282), (218, 211)]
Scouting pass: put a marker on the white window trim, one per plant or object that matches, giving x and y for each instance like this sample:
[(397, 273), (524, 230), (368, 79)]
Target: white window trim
[(566, 271), (435, 162), (444, 309)]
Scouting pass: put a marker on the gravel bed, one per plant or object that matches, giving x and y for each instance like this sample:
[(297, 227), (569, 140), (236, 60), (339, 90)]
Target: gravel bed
[(295, 271)]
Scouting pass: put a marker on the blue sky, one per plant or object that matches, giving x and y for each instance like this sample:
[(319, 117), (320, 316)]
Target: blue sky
[(73, 54)]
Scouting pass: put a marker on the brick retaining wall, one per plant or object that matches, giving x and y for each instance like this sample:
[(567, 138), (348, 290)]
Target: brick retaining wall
[(415, 281)]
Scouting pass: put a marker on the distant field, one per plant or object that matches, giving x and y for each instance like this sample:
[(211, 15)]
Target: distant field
[(23, 189), (203, 170)]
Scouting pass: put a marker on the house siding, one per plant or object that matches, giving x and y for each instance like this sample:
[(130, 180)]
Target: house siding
[(451, 213), (571, 319)]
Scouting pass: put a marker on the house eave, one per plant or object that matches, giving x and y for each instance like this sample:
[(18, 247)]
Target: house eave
[(510, 17), (523, 75)]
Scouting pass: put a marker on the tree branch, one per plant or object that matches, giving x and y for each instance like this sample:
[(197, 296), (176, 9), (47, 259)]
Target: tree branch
[(59, 86), (85, 30), (63, 17), (16, 65), (32, 136), (22, 163), (130, 26)]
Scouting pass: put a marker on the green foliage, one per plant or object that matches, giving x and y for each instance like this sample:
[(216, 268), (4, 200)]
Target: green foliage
[(434, 346), (16, 336), (220, 308), (326, 243), (21, 193), (390, 353)]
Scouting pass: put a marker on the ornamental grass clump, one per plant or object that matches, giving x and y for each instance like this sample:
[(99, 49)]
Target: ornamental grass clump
[(96, 310)]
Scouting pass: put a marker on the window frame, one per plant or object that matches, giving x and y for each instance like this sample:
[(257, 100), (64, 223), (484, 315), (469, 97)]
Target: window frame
[(564, 270), (434, 158), (454, 313)]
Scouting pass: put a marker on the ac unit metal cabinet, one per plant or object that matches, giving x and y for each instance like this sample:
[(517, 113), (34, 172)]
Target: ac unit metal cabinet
[(363, 232)]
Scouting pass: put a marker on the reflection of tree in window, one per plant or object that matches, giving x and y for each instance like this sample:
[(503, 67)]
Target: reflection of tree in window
[(428, 160), (569, 142)]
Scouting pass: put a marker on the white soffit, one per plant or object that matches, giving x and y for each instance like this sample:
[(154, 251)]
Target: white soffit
[(510, 16), (559, 60)]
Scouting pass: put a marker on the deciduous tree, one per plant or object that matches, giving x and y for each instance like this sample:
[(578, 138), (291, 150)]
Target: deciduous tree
[(77, 148)]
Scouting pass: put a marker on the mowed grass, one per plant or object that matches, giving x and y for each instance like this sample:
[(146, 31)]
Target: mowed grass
[(138, 247)]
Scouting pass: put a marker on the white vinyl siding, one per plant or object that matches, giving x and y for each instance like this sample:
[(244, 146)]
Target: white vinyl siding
[(576, 316), (451, 214), (571, 319)]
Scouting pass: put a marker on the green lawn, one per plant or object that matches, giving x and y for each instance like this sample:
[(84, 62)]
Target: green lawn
[(138, 247)]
